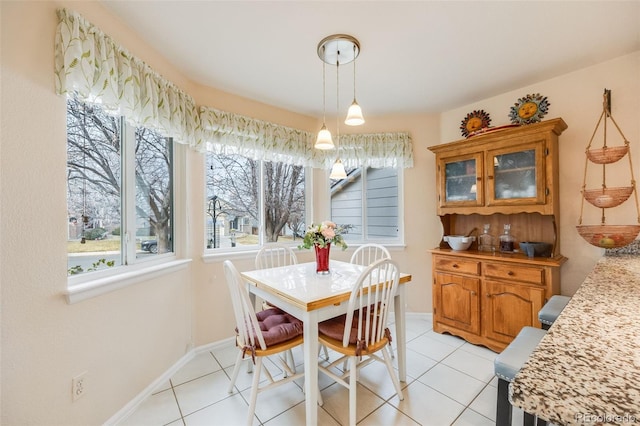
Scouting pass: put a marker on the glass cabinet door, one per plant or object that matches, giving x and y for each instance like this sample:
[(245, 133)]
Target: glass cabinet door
[(516, 175), (461, 181)]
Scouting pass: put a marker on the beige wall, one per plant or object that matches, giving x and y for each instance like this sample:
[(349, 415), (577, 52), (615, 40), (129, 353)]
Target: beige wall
[(128, 338), (577, 98)]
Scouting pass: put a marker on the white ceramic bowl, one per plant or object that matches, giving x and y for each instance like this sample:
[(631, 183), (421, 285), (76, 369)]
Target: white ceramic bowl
[(459, 242)]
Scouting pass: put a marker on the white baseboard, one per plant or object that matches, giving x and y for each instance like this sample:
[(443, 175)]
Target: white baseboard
[(131, 406), (426, 316)]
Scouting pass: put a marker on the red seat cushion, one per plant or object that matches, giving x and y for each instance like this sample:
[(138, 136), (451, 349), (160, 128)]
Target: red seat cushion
[(334, 327), (278, 326)]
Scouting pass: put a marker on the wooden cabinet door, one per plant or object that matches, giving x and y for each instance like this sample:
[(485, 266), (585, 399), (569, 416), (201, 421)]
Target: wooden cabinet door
[(516, 175), (456, 301), (506, 308), (460, 181)]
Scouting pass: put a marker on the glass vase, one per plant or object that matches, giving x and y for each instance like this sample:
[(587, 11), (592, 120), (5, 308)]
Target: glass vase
[(322, 259)]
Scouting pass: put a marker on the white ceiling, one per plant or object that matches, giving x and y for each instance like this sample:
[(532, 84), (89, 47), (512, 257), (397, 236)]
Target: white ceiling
[(418, 56)]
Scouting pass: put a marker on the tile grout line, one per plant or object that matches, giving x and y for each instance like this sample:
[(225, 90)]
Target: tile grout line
[(175, 397), (467, 406)]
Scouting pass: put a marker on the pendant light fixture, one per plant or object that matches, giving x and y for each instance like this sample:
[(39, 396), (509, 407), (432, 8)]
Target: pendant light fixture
[(339, 49), (354, 115), (324, 140), (338, 171)]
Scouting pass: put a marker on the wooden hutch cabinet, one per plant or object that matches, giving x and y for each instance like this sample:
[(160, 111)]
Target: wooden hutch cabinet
[(508, 176)]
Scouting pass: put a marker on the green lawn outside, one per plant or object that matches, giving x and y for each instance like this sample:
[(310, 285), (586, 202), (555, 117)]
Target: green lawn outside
[(94, 246), (113, 244)]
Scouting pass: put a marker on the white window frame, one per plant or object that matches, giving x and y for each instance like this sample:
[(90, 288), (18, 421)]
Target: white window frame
[(213, 255), (395, 242), (87, 285)]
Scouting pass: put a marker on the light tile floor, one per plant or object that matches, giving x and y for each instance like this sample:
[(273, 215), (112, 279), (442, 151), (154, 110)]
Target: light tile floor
[(449, 382)]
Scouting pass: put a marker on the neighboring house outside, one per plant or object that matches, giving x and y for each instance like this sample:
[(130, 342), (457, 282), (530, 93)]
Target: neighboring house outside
[(381, 188)]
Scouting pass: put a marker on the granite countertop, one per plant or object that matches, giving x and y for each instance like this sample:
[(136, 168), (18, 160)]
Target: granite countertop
[(587, 367)]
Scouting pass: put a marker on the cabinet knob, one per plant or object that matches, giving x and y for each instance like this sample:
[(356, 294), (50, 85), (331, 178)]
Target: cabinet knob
[(489, 177), (510, 273), (455, 265), (488, 295), (473, 293)]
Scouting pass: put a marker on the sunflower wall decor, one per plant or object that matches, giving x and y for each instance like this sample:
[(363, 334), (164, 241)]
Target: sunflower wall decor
[(529, 109), (474, 121)]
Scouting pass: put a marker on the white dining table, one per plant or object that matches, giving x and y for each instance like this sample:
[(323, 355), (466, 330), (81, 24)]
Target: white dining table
[(313, 298)]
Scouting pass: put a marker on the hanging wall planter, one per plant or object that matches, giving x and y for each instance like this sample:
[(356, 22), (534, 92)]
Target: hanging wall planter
[(603, 235)]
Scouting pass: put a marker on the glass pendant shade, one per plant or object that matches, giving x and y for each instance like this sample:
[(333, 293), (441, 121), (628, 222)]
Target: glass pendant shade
[(338, 171), (324, 140), (354, 115)]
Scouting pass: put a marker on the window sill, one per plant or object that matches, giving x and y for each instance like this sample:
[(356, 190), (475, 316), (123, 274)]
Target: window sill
[(97, 287), (395, 247), (213, 257)]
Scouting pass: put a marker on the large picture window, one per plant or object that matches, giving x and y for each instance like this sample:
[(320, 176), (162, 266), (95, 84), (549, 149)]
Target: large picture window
[(368, 205), (119, 191), (252, 202)]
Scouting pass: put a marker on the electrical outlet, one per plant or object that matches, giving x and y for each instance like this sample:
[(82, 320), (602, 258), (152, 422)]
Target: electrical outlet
[(78, 386)]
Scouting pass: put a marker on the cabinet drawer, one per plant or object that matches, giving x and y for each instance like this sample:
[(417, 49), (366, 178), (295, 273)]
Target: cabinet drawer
[(515, 272), (462, 266)]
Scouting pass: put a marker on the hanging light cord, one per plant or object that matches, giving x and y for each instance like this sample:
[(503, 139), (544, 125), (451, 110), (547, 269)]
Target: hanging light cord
[(324, 91), (354, 73), (338, 104)]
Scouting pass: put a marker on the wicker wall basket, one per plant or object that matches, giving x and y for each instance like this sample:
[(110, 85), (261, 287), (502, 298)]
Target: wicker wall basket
[(603, 235), (607, 197), (607, 154), (609, 236)]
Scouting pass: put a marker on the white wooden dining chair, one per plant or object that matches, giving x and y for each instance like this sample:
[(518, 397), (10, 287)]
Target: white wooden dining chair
[(268, 332), (362, 331), (366, 254), (273, 255)]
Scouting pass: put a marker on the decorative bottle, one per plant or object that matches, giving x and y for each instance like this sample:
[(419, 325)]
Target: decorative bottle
[(486, 241), (507, 240)]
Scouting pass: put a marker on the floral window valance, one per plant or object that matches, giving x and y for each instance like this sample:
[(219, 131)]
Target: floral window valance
[(91, 65), (376, 150), (229, 133), (226, 132)]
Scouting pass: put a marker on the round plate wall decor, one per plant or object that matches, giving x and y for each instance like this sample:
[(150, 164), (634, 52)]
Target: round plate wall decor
[(529, 109), (474, 121)]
